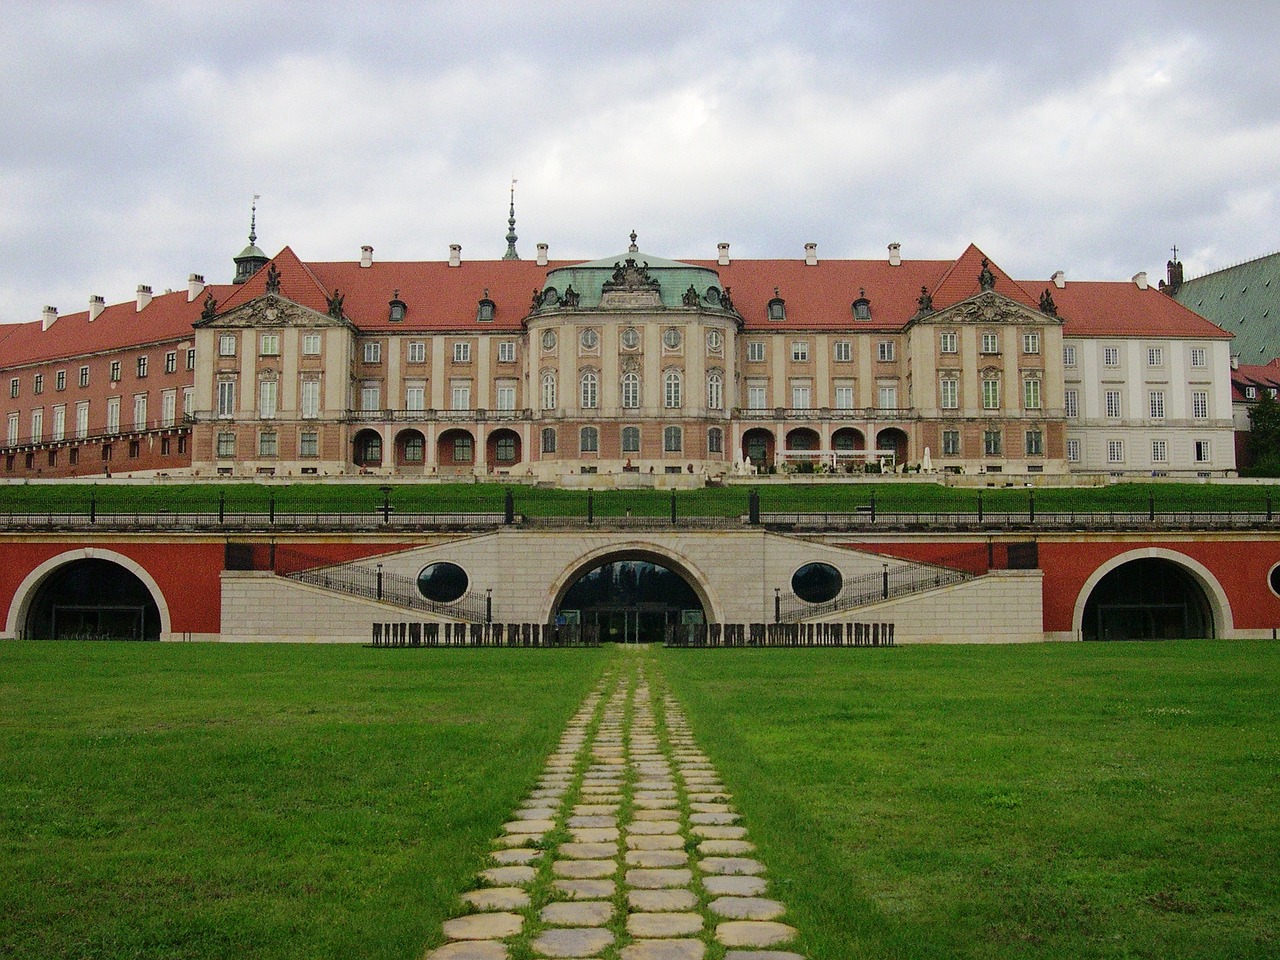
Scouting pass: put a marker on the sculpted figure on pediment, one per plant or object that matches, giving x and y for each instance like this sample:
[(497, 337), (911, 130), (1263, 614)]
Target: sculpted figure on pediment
[(271, 311)]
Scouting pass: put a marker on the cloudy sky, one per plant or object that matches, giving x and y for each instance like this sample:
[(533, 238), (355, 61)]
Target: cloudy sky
[(1080, 136)]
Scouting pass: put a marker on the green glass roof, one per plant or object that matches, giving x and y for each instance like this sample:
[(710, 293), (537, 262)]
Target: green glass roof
[(1244, 300)]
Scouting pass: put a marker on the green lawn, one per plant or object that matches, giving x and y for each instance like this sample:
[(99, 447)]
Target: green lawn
[(546, 502), (211, 801), (1067, 801)]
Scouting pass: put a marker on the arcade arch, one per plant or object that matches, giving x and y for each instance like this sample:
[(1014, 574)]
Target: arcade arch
[(1151, 594)]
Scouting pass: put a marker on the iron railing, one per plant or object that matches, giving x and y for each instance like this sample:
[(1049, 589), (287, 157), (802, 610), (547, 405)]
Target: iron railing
[(898, 580), (371, 582)]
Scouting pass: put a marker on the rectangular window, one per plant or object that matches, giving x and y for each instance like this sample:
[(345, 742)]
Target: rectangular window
[(1251, 393), (549, 440), (227, 345), (13, 387), (1115, 451), (370, 397), (948, 343), (800, 396), (39, 383), (191, 358), (1035, 443), (990, 394), (991, 343), (1073, 451), (226, 445), (13, 430), (630, 439), (1155, 357), (1198, 358), (1031, 341), (1071, 403), (1113, 404), (268, 394), (59, 423), (1202, 451), (992, 443), (1200, 404), (82, 420), (460, 395), (267, 444), (1155, 403), (115, 371), (1159, 451), (373, 353), (188, 403), (417, 351), (885, 351), (506, 351), (309, 444), (1031, 394), (800, 351), (672, 440), (1068, 354), (949, 393), (951, 443), (60, 380), (887, 396), (226, 398), (462, 353), (311, 344), (589, 440), (757, 396), (715, 440), (171, 361), (310, 399), (84, 376), (844, 397), (506, 396), (415, 397), (168, 408), (755, 352), (270, 345), (140, 411), (715, 392), (843, 351), (142, 367), (1111, 356), (113, 415)]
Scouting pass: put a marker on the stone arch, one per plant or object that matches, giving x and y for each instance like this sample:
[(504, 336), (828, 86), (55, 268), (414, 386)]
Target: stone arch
[(25, 594), (456, 448), (652, 552), (758, 444), (411, 448), (506, 442), (1223, 623), (367, 448)]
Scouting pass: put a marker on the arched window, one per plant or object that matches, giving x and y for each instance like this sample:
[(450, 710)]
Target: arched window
[(630, 390), (672, 390), (589, 440), (715, 440), (590, 390), (715, 392), (549, 440), (548, 391)]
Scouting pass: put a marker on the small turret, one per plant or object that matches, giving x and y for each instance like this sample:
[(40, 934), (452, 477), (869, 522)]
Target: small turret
[(251, 258), (511, 228)]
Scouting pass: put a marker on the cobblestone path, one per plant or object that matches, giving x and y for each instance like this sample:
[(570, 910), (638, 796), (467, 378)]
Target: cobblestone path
[(628, 849)]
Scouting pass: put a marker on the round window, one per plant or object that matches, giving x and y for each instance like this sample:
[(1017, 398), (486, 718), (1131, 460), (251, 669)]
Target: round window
[(671, 338), (714, 340), (549, 340), (816, 582), (442, 582), (1273, 579), (631, 338), (589, 339)]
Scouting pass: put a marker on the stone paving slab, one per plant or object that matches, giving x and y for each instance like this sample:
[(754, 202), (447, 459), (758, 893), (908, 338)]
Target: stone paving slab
[(508, 876), (664, 950), (642, 879), (753, 933), (519, 855), (731, 866), (734, 886), (572, 941), (762, 955), (657, 901), (586, 913), (746, 908), (483, 926), (664, 924), (584, 869), (471, 950), (589, 851), (585, 889), (497, 898)]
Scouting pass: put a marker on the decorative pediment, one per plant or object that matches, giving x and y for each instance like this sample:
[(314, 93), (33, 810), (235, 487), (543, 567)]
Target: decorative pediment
[(272, 310), (989, 307), (630, 275)]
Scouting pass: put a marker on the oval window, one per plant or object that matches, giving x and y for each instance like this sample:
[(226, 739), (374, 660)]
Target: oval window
[(671, 338), (442, 582), (631, 338), (816, 582), (714, 340), (1274, 579), (589, 339), (549, 340)]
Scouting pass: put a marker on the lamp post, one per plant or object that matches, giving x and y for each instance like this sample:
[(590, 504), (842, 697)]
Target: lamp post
[(386, 504), (777, 604), (379, 582), (884, 590)]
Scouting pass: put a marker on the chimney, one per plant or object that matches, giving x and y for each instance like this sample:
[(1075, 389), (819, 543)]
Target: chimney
[(811, 254), (1059, 279), (455, 254), (144, 296), (1140, 280), (47, 317), (96, 305), (195, 286), (723, 258), (895, 254), (366, 256), (1235, 363), (1174, 269), (542, 254)]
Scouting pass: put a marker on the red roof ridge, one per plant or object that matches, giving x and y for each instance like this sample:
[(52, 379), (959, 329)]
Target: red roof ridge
[(954, 287), (293, 273)]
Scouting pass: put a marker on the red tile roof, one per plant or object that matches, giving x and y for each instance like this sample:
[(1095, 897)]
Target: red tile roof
[(960, 282), (1256, 375), (1100, 308)]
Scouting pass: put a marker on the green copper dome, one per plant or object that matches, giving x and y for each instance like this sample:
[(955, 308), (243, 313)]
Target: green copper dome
[(636, 270)]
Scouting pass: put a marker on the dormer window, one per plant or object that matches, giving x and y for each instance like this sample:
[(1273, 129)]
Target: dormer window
[(862, 306), (397, 308), (485, 309), (777, 307), (1251, 393)]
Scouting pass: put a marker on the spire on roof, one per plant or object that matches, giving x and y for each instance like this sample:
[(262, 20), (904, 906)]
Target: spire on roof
[(511, 226), (633, 248), (251, 258), (253, 220)]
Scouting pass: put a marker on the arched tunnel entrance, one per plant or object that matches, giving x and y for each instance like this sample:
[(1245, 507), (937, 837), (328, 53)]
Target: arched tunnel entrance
[(1150, 598), (93, 599), (631, 599)]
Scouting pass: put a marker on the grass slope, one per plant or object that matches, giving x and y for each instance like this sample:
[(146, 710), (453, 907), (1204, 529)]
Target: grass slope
[(1073, 801), (259, 801), (544, 502)]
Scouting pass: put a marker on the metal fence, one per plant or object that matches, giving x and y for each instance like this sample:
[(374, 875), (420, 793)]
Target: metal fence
[(414, 634), (899, 580), (780, 635)]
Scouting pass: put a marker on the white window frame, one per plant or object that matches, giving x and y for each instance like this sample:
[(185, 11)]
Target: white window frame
[(226, 399), (1114, 405), (842, 351), (82, 419), (990, 343), (1200, 404), (949, 393), (268, 398), (370, 397), (951, 443), (757, 396), (505, 395), (270, 345), (844, 396), (168, 408), (416, 352), (1068, 354), (311, 344), (1159, 451), (1155, 356), (462, 352), (715, 392), (460, 395), (1031, 398), (1115, 451), (589, 390), (801, 395), (1155, 404), (373, 353), (1111, 356), (1031, 341), (990, 394), (113, 414), (885, 351), (630, 393), (548, 393), (1073, 450), (1199, 358), (887, 396), (506, 351), (139, 411), (672, 390), (755, 351), (227, 345), (948, 342), (309, 399), (1203, 451), (1071, 403), (799, 351)]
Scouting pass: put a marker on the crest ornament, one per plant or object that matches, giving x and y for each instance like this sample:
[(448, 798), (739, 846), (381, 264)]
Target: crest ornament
[(210, 308), (273, 279)]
